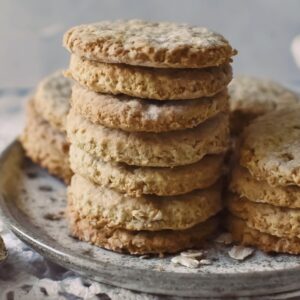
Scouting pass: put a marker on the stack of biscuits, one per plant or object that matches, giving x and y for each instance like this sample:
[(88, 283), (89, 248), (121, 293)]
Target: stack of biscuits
[(148, 128), (44, 135), (264, 203), (251, 97)]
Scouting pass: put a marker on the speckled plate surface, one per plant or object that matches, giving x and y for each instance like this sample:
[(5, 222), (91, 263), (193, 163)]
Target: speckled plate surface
[(32, 203)]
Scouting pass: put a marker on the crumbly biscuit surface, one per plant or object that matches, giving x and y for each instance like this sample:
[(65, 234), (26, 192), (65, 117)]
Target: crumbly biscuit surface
[(251, 97), (251, 237), (52, 99), (258, 96), (149, 83), (115, 210), (166, 149), (152, 44), (139, 242), (247, 186), (135, 181), (270, 147), (274, 220), (134, 114), (46, 145)]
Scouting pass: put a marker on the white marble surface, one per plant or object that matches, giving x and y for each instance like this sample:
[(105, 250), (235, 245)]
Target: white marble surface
[(31, 31)]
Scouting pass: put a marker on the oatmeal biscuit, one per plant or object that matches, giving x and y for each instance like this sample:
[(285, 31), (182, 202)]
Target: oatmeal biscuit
[(251, 237), (247, 186), (251, 97), (151, 44), (45, 145), (133, 114), (52, 98), (166, 149), (274, 220), (109, 208), (150, 83), (139, 242), (270, 147), (135, 181)]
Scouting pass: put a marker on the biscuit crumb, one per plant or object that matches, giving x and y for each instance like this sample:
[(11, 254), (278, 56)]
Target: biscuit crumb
[(224, 238), (240, 252), (205, 262), (185, 261), (192, 253)]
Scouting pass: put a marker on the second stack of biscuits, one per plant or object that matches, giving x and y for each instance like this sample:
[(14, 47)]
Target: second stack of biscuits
[(148, 130)]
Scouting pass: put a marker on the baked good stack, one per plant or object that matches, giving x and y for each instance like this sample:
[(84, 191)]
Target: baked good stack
[(148, 130), (265, 199), (251, 97), (44, 135)]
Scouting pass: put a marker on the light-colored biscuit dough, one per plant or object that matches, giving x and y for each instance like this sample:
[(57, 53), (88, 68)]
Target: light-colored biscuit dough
[(247, 186), (45, 145), (150, 83), (152, 44), (131, 114), (274, 220), (270, 147), (109, 208), (251, 237), (251, 97), (52, 99), (166, 149), (135, 181), (139, 242)]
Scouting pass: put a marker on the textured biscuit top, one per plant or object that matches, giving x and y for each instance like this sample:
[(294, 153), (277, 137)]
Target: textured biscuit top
[(134, 114), (153, 44), (251, 97), (110, 208), (258, 96), (52, 99), (165, 149), (270, 147)]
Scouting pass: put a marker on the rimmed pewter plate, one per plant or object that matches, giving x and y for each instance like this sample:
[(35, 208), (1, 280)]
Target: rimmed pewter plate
[(32, 203)]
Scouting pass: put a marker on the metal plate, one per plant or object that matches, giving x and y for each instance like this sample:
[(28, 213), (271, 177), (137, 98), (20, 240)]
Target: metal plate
[(33, 202)]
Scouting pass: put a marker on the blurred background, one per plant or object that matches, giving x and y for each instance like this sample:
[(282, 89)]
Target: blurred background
[(262, 31)]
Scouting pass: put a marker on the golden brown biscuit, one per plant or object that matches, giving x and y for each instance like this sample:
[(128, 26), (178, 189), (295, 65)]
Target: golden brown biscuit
[(150, 83), (133, 114), (45, 145), (251, 97), (152, 44), (247, 186), (109, 208), (166, 149), (251, 237), (270, 147), (139, 242), (52, 99), (135, 181), (274, 220)]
